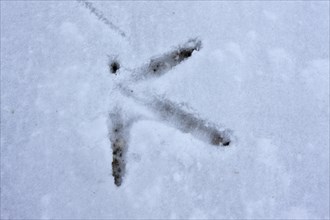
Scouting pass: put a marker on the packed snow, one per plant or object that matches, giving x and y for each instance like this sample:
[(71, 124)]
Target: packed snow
[(261, 71)]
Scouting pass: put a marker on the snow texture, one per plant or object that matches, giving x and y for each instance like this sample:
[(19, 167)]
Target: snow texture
[(74, 71)]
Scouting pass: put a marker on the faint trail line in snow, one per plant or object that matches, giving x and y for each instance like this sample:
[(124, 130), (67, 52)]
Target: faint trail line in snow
[(99, 14)]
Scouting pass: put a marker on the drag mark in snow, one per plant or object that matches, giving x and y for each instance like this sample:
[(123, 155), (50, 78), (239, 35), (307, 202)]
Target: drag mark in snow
[(100, 16)]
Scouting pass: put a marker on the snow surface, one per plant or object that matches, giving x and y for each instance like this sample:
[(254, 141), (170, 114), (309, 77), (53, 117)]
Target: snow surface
[(263, 72)]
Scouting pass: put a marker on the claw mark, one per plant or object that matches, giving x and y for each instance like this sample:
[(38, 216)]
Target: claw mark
[(158, 66), (114, 66), (99, 14)]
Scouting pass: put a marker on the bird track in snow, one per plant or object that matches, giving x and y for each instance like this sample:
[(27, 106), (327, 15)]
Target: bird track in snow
[(165, 110)]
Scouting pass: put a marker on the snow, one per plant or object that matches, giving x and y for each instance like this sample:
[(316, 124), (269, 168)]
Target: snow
[(262, 71)]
